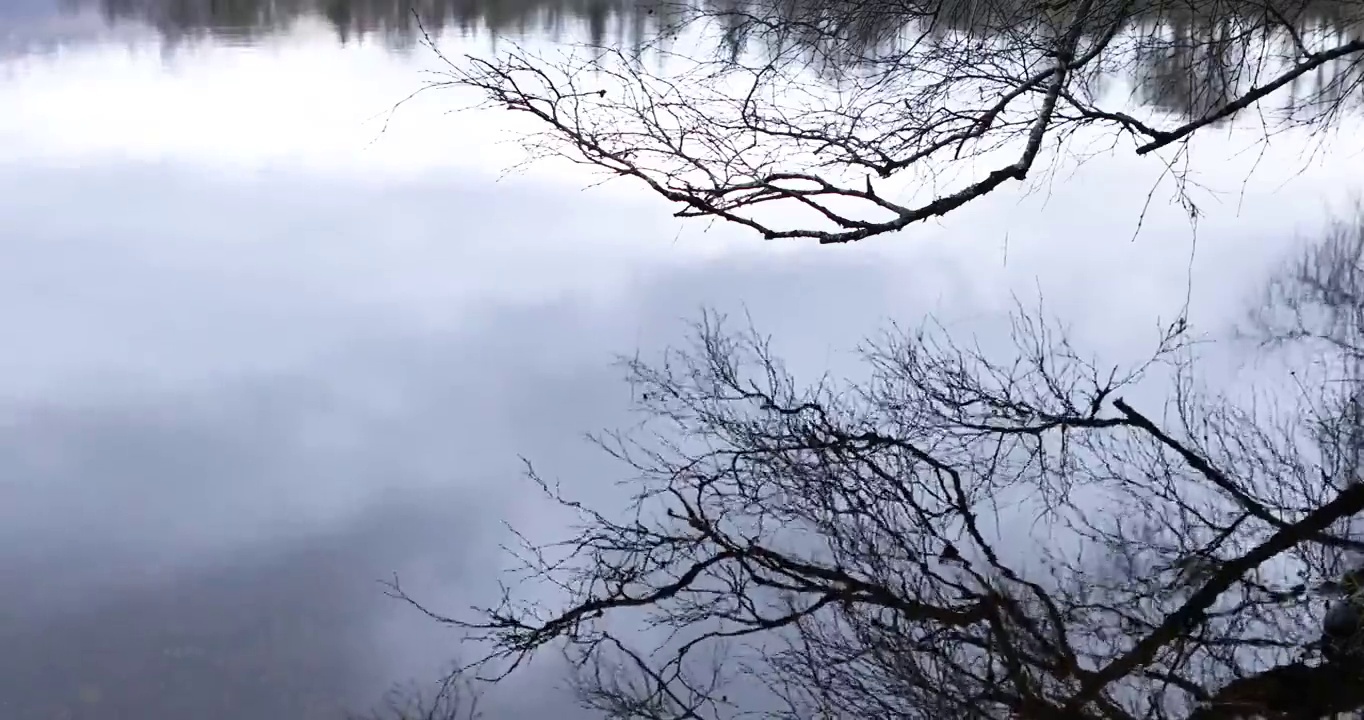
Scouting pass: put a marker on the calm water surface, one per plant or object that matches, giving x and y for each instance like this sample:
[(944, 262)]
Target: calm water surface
[(263, 350)]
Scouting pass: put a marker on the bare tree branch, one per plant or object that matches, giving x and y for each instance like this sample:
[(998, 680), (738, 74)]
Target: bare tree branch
[(784, 138), (452, 698)]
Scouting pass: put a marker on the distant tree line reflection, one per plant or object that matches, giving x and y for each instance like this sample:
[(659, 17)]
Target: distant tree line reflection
[(1199, 62), (393, 20)]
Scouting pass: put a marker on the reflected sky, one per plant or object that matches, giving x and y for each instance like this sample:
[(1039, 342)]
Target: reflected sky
[(260, 355)]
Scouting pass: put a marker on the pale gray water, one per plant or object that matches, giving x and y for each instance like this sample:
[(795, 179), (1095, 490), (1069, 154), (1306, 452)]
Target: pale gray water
[(256, 360)]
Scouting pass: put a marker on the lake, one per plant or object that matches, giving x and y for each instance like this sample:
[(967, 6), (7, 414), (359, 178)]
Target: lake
[(269, 341)]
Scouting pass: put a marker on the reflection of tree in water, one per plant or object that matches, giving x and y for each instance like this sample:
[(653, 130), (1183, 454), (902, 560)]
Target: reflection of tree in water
[(1196, 67), (245, 20), (1201, 56), (1184, 56), (395, 18)]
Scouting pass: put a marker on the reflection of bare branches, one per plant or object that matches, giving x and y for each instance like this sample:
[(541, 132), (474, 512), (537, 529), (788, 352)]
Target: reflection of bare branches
[(956, 536), (1320, 298), (451, 699), (1316, 307)]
